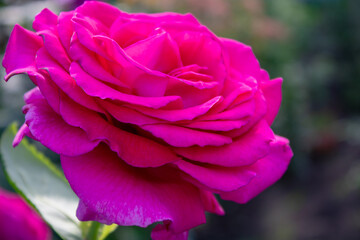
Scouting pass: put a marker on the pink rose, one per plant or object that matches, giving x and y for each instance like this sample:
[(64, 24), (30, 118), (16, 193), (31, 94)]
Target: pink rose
[(18, 221), (151, 113)]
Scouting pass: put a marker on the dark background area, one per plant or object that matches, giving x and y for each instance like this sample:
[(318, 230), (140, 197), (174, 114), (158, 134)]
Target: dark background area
[(315, 46)]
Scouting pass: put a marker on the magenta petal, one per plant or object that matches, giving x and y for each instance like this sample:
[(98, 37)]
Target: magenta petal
[(185, 137), (272, 92), (65, 28), (128, 115), (98, 89), (20, 52), (125, 195), (268, 170), (180, 114), (89, 63), (54, 48), (45, 20), (33, 95), (157, 52), (125, 144), (210, 202), (22, 132), (99, 11), (241, 58), (166, 17), (162, 232), (243, 151), (64, 81), (217, 125), (50, 129), (217, 177)]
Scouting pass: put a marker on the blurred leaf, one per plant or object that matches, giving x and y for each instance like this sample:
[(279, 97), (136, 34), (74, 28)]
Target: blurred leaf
[(42, 184), (106, 230)]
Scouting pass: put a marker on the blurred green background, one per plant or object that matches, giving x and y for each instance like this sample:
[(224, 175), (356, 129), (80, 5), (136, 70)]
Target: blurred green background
[(315, 46)]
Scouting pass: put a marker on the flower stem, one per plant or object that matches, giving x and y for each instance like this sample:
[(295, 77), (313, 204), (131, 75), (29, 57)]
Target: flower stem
[(93, 231)]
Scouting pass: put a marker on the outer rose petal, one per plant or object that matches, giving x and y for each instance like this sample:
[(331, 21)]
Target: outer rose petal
[(162, 232), (121, 194), (49, 128), (20, 52), (185, 137), (210, 203), (217, 177), (241, 58), (272, 93), (268, 169), (126, 144), (244, 150)]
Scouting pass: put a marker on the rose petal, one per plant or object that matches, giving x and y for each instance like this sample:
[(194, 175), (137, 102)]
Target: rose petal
[(242, 151), (22, 132), (268, 169), (241, 58), (126, 33), (99, 11), (45, 20), (90, 63), (184, 137), (217, 125), (272, 93), (162, 232), (210, 202), (157, 52), (126, 144), (50, 129), (64, 81), (102, 181), (20, 52), (128, 115), (65, 28), (98, 89), (54, 48), (203, 49), (217, 177), (180, 114)]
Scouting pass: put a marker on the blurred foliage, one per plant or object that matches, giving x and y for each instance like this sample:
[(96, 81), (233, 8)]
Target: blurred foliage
[(314, 46)]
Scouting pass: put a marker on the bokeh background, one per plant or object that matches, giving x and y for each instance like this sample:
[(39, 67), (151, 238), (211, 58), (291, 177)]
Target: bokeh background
[(315, 46)]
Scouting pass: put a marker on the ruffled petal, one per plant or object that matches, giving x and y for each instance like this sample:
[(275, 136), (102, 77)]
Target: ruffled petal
[(241, 58), (90, 63), (128, 115), (124, 143), (210, 202), (268, 170), (121, 194), (272, 93), (65, 28), (64, 81), (162, 232), (45, 20), (50, 129), (224, 125), (99, 11), (185, 137), (217, 177), (98, 89), (179, 114), (20, 52), (244, 150), (157, 52)]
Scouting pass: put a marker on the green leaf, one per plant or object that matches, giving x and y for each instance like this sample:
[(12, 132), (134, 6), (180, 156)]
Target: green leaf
[(42, 184), (106, 230)]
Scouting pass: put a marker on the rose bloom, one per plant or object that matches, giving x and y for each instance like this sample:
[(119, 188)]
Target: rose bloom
[(151, 114), (18, 221)]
